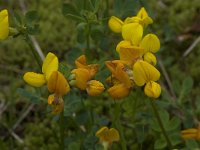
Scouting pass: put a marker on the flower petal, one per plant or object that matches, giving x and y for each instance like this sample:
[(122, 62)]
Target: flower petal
[(34, 79), (94, 88), (150, 58), (152, 89), (115, 24), (50, 64), (118, 91), (82, 76), (143, 72), (132, 32), (81, 61), (4, 24), (58, 84), (150, 43)]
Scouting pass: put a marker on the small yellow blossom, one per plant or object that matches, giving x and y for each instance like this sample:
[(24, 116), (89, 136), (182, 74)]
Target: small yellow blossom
[(192, 133), (152, 89), (120, 80), (4, 24), (150, 43), (115, 24), (58, 85), (50, 64), (94, 88), (132, 32), (108, 136), (144, 72), (150, 58)]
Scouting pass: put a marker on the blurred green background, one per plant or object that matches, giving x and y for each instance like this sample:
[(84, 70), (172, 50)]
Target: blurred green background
[(177, 24)]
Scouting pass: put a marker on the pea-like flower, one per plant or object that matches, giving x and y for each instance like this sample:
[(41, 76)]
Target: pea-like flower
[(4, 24), (82, 77), (107, 136), (145, 73), (50, 64), (122, 82), (58, 85), (192, 133)]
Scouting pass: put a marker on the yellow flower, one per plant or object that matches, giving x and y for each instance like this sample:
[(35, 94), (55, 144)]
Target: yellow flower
[(94, 88), (132, 32), (144, 72), (191, 133), (120, 80), (143, 15), (130, 54), (150, 43), (4, 24), (50, 65), (152, 89), (118, 70), (118, 91), (115, 24), (81, 63), (150, 58), (58, 85), (108, 136)]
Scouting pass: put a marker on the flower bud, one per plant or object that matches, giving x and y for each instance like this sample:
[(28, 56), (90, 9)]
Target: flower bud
[(150, 58), (118, 91), (4, 24), (94, 88), (152, 89)]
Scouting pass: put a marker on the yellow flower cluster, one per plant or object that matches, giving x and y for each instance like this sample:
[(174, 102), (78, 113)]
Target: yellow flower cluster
[(137, 59), (58, 85), (4, 24)]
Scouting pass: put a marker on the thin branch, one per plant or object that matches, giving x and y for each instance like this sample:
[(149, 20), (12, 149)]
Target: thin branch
[(192, 46)]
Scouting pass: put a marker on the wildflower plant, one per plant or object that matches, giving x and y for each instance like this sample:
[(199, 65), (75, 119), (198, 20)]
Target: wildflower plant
[(102, 103)]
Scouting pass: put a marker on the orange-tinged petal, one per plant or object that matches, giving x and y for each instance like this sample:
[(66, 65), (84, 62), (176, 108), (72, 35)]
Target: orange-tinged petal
[(50, 65), (34, 79), (150, 43), (150, 58), (152, 89), (144, 72), (118, 91), (81, 61), (119, 72), (189, 131), (130, 54), (4, 24), (115, 24), (82, 76), (58, 84), (132, 32), (93, 68), (94, 88)]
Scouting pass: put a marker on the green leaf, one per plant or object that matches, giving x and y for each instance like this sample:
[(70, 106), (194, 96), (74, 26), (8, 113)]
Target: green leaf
[(33, 98), (173, 124), (160, 143), (175, 138), (70, 11), (192, 144), (17, 19)]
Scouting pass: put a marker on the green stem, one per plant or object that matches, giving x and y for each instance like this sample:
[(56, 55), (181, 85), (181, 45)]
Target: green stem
[(117, 113), (62, 146), (161, 124), (35, 54)]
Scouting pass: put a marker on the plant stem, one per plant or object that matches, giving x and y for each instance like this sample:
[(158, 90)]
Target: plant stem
[(117, 113), (36, 56), (161, 124), (62, 146)]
